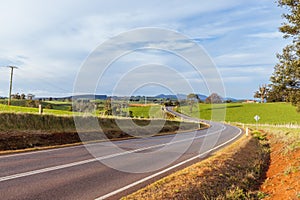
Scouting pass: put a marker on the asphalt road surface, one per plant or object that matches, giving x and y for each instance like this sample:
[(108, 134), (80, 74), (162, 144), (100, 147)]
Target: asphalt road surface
[(107, 170)]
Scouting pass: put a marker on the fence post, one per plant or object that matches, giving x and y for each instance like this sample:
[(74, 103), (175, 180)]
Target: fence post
[(40, 109)]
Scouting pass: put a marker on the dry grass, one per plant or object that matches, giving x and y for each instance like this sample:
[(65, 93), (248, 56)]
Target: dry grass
[(233, 173), (18, 131), (287, 136), (283, 176)]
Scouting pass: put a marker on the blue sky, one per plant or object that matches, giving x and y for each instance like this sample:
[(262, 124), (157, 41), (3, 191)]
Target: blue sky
[(50, 40)]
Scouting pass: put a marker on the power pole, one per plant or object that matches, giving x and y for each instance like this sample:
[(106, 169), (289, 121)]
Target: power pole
[(11, 79)]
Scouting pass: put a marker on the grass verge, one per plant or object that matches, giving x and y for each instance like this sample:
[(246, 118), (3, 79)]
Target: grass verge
[(283, 176), (19, 131), (234, 173)]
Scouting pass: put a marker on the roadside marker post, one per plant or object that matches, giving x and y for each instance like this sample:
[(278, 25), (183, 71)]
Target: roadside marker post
[(256, 117), (40, 109), (247, 131)]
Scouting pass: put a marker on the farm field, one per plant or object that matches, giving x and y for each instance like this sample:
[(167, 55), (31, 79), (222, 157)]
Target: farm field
[(21, 109), (152, 111), (270, 113)]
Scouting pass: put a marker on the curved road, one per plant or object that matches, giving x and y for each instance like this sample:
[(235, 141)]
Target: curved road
[(73, 173)]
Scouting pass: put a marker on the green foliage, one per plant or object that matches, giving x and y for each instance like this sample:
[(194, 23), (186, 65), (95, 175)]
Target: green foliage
[(32, 103), (49, 106), (236, 193), (108, 107), (214, 98), (259, 135), (262, 93), (192, 99), (286, 76)]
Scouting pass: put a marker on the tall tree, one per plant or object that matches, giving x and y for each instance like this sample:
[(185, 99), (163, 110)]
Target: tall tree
[(214, 98), (261, 93), (108, 106), (286, 76), (192, 99)]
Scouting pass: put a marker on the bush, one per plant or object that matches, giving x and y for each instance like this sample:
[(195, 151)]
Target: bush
[(259, 135), (49, 106), (32, 103)]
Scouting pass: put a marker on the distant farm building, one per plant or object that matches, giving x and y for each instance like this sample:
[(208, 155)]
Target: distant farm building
[(249, 101)]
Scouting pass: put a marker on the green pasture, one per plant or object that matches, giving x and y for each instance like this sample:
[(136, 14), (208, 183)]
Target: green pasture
[(20, 109), (147, 111), (270, 113)]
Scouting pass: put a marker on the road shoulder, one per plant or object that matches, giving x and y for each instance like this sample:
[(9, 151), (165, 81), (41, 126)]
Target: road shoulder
[(233, 172)]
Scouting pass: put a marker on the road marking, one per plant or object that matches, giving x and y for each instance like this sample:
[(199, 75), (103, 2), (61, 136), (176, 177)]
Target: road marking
[(165, 170), (48, 169), (38, 151)]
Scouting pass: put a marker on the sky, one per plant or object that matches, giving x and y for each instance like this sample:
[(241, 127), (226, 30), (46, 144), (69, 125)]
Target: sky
[(52, 41)]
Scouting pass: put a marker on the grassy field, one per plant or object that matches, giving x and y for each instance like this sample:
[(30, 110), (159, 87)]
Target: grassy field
[(147, 111), (20, 109), (241, 173), (270, 113), (22, 127)]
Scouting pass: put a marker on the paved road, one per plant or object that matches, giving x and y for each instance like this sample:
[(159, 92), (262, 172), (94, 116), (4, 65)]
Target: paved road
[(73, 173)]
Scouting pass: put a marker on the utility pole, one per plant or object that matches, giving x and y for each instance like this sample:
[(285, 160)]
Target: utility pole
[(11, 79)]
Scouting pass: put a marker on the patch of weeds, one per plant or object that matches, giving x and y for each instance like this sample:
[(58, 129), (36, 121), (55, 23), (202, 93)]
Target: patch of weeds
[(298, 195), (294, 146), (237, 193), (259, 135), (290, 169), (261, 195), (176, 190)]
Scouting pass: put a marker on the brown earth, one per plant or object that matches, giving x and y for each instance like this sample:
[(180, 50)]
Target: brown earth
[(283, 175)]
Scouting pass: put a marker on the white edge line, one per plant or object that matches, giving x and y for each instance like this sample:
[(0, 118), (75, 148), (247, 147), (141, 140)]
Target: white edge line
[(39, 151), (165, 170)]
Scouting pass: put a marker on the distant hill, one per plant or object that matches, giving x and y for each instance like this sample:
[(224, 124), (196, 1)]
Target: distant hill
[(179, 96), (166, 96), (230, 99), (86, 96), (202, 97)]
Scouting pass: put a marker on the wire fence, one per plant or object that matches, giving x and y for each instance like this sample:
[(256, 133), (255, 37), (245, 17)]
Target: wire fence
[(295, 126)]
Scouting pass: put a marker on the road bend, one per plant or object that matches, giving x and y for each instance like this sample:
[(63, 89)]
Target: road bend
[(102, 171)]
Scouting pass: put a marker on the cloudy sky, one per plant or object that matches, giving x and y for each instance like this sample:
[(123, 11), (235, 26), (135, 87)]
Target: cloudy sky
[(50, 42)]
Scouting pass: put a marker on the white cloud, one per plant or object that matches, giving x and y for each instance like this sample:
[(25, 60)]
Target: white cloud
[(49, 40), (269, 35)]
